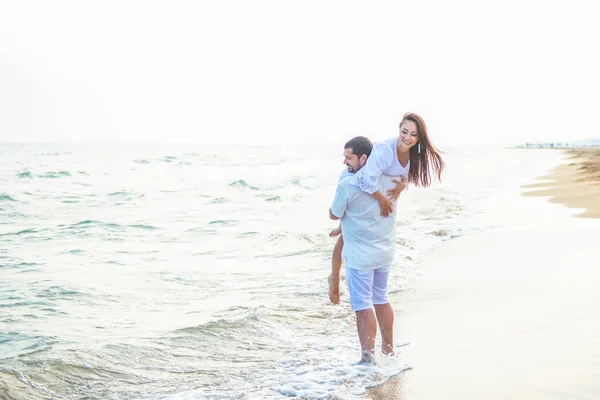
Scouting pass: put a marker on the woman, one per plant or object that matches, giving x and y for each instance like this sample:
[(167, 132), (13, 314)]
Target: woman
[(410, 156)]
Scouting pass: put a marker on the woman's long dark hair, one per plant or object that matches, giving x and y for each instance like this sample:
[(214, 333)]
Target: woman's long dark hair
[(428, 160)]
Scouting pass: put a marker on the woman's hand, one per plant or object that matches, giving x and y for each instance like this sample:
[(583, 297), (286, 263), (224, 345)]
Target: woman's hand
[(393, 194), (386, 204), (386, 207)]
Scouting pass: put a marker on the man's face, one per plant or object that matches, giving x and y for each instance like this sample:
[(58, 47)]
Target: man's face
[(352, 161)]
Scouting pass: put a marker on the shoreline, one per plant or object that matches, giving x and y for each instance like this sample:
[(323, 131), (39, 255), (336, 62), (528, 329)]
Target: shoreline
[(520, 320), (575, 184)]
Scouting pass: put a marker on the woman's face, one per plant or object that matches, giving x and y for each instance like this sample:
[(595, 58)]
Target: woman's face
[(408, 135)]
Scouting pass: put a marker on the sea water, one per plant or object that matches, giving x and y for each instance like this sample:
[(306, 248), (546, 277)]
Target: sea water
[(190, 271)]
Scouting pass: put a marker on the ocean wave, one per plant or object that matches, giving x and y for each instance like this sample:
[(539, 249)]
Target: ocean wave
[(201, 230), (13, 344), (44, 175), (309, 182), (204, 253), (328, 381), (86, 375), (143, 226), (88, 223), (242, 183), (250, 233), (21, 232), (294, 359), (273, 199), (54, 175), (224, 222), (284, 254), (218, 200), (6, 197), (114, 239), (180, 279), (20, 264), (70, 199), (124, 196), (14, 385), (169, 159), (233, 332), (59, 292), (21, 302), (55, 153)]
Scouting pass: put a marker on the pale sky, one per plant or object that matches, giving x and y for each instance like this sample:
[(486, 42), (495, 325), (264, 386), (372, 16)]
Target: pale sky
[(297, 71)]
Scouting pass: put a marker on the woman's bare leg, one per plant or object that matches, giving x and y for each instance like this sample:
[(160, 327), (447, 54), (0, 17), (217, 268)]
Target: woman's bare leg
[(336, 266), (337, 231)]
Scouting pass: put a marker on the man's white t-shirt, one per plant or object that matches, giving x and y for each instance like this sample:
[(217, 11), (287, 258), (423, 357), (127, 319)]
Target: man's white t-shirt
[(369, 238)]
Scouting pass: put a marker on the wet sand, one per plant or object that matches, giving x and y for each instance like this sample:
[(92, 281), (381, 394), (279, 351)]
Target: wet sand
[(575, 184), (512, 313)]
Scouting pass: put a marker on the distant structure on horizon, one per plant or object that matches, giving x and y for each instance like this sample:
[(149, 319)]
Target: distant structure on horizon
[(562, 145)]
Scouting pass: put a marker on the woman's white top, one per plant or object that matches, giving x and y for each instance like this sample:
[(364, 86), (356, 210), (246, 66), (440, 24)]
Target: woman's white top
[(383, 160)]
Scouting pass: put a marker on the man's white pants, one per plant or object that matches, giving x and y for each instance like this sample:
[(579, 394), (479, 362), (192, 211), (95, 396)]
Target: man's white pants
[(368, 287)]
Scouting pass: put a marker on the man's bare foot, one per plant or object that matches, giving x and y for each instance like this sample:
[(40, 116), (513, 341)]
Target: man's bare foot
[(368, 358), (334, 289), (336, 232), (388, 350)]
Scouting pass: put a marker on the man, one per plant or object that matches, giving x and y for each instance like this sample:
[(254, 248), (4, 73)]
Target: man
[(368, 251)]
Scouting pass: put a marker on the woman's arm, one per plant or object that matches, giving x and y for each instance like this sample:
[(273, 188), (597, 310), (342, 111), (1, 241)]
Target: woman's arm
[(386, 204), (365, 178)]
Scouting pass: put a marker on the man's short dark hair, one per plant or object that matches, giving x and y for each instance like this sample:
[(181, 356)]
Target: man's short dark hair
[(360, 145)]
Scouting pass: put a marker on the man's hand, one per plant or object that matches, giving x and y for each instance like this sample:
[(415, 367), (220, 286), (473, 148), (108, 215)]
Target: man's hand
[(331, 216), (393, 194)]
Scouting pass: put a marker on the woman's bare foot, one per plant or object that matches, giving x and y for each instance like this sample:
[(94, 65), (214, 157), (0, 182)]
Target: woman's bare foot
[(336, 232), (334, 289)]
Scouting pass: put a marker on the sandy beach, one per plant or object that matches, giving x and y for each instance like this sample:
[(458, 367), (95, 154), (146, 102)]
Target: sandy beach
[(513, 312), (575, 184)]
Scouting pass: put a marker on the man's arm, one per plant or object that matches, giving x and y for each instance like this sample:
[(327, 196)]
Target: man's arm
[(331, 216), (338, 207)]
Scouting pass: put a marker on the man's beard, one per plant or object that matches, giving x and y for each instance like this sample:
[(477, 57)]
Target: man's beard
[(350, 169)]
